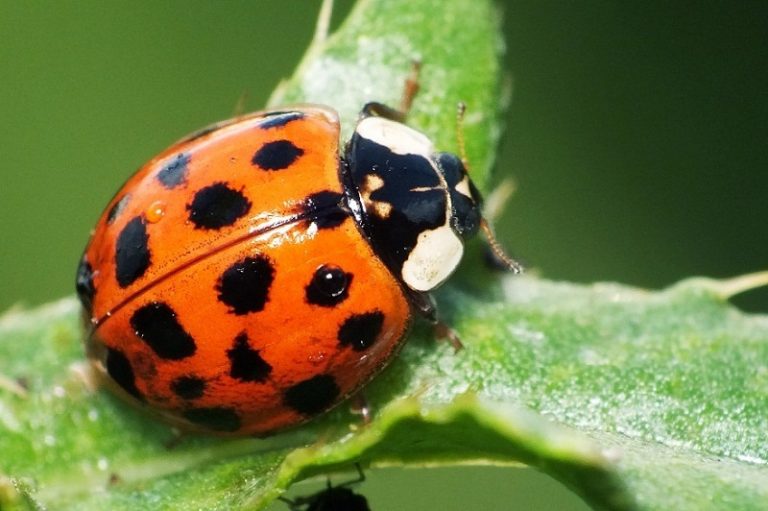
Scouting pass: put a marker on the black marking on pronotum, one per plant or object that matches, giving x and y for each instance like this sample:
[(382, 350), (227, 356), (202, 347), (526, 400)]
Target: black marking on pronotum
[(217, 418), (156, 324), (329, 286), (244, 286), (277, 155), (132, 255), (410, 186), (451, 167), (360, 331), (278, 119), (466, 215), (325, 209), (217, 206), (188, 387), (246, 363), (174, 172), (312, 396), (120, 370)]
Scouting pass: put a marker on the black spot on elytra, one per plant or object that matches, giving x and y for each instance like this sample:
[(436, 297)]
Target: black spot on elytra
[(118, 208), (174, 172), (245, 362), (215, 418), (329, 286), (277, 119), (244, 286), (360, 331), (120, 370), (84, 284), (188, 387), (312, 396), (132, 255), (217, 206), (276, 155), (156, 324), (325, 209)]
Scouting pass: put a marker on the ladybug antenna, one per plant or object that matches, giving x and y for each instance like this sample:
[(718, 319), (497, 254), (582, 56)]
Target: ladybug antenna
[(495, 200), (497, 250)]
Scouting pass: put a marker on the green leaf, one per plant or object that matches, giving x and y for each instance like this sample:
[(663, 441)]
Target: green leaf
[(634, 399), (642, 400), (370, 57)]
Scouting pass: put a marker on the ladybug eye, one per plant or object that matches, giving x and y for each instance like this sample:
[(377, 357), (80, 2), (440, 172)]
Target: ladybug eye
[(329, 286)]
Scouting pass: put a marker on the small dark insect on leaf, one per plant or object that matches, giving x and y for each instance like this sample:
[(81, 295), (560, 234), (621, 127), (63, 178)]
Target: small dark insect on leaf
[(332, 498)]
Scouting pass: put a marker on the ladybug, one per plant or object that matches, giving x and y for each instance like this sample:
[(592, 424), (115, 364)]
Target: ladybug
[(332, 498), (251, 277)]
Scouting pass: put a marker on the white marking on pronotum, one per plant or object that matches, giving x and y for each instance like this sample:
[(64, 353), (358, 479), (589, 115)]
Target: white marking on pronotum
[(463, 187), (397, 137), (436, 254), (371, 184), (383, 209)]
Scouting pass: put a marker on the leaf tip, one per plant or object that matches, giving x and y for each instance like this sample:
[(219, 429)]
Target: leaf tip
[(726, 289), (731, 287)]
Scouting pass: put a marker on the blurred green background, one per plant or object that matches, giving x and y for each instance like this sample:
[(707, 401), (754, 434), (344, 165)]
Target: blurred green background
[(637, 136)]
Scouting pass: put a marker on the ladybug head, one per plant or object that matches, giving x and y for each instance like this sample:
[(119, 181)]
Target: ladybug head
[(466, 202)]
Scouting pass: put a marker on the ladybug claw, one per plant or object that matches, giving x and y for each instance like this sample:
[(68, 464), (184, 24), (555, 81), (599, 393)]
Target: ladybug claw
[(177, 437), (360, 406), (445, 333)]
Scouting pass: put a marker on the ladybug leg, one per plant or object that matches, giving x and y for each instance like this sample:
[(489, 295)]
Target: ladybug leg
[(411, 87), (360, 476), (318, 502), (444, 332), (377, 109), (175, 440), (359, 405), (293, 504), (426, 306)]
